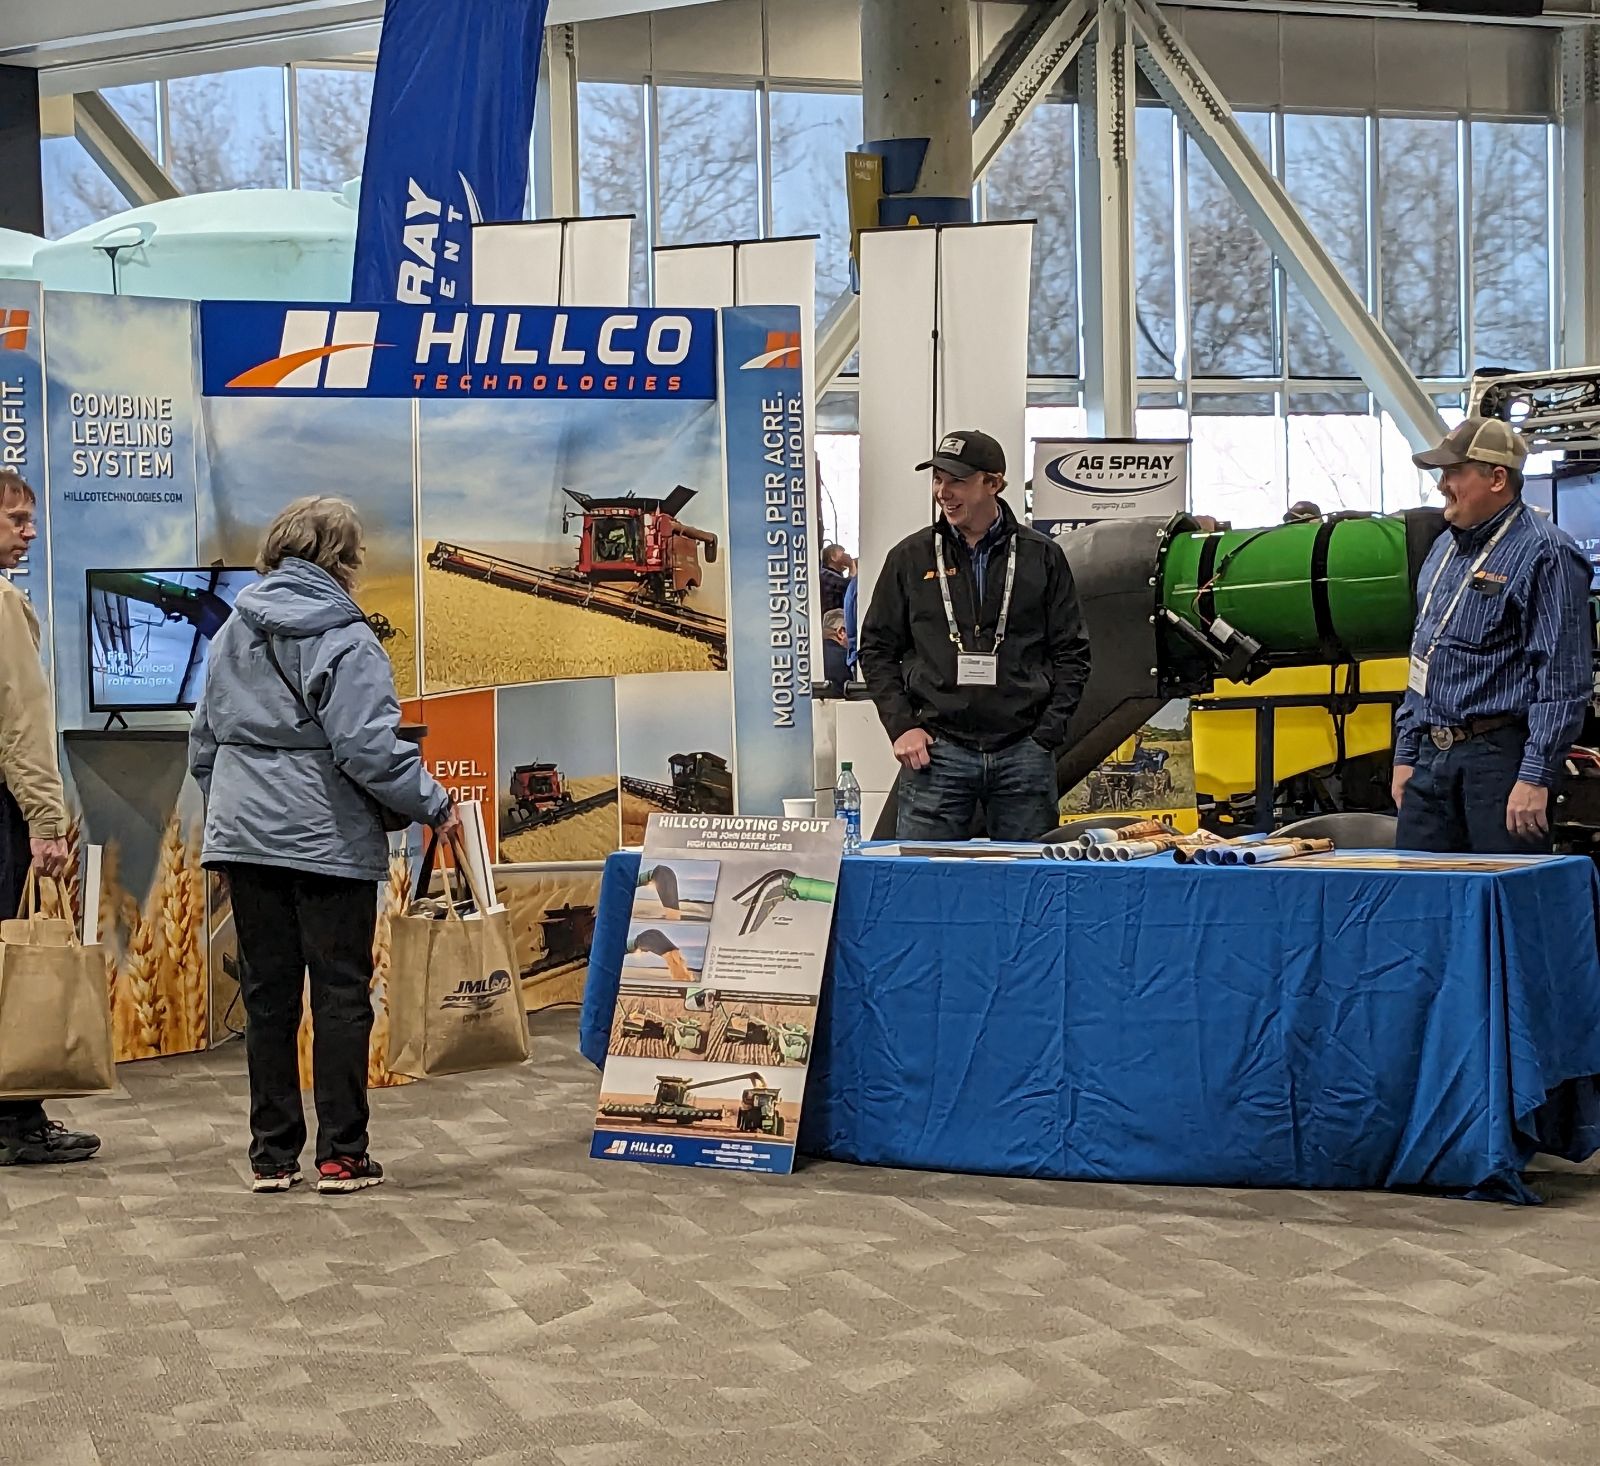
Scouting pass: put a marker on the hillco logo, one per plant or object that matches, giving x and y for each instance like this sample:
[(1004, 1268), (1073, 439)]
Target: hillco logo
[(783, 350), (479, 993), (13, 330), (319, 349), (1095, 471)]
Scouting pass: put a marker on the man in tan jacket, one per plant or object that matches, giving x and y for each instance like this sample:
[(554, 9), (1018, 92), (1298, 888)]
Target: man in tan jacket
[(33, 814)]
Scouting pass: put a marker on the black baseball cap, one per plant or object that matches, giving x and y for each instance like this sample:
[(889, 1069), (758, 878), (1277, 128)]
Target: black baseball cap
[(966, 452)]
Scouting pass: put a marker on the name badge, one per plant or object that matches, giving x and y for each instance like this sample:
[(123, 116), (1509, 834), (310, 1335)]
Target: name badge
[(974, 669), (1417, 678)]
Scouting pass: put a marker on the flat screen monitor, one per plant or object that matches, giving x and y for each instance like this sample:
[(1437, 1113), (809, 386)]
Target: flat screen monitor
[(149, 631), (1578, 512)]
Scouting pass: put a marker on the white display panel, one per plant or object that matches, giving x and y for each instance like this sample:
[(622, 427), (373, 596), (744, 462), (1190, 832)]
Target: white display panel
[(553, 262), (899, 299), (699, 275), (984, 285)]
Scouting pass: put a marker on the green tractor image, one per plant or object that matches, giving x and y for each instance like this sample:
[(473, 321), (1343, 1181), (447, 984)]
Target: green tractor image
[(641, 1023), (792, 1041), (689, 1035)]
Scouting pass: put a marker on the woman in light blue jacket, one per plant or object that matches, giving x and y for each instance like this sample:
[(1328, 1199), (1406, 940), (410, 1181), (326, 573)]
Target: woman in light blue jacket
[(295, 745)]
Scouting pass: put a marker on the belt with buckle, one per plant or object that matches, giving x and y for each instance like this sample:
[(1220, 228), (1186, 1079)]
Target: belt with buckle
[(1446, 738)]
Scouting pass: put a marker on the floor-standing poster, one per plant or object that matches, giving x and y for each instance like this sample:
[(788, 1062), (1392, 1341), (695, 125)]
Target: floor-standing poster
[(717, 1010), (22, 433)]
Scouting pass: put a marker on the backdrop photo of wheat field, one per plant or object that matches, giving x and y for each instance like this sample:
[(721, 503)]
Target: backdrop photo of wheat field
[(478, 635)]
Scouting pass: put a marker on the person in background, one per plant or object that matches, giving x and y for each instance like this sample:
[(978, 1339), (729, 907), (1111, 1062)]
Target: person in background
[(835, 654), (975, 655), (295, 747), (1303, 512), (852, 649), (33, 809), (834, 576), (1501, 667)]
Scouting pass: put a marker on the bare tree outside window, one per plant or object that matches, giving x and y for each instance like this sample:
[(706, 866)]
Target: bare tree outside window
[(227, 130), (1032, 178), (811, 133), (611, 163), (1155, 244), (76, 192), (332, 108), (1230, 272), (709, 187), (1325, 172), (1419, 242), (1511, 245)]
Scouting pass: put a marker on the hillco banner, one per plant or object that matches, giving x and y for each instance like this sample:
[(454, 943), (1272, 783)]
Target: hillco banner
[(447, 142), (259, 349), (1077, 481), (22, 432), (769, 616)]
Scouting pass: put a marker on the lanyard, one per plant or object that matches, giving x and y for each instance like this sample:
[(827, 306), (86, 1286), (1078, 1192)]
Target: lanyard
[(1455, 600), (950, 610)]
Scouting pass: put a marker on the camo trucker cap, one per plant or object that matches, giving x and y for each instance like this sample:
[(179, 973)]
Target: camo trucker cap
[(966, 452), (1486, 440)]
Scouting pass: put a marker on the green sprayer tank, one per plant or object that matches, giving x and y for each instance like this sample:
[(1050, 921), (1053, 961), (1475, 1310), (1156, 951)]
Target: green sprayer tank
[(1298, 588)]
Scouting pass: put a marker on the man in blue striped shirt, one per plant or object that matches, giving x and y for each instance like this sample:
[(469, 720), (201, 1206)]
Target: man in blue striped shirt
[(1501, 657)]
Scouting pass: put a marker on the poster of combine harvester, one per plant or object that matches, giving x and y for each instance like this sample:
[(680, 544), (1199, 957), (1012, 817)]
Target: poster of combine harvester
[(587, 541), (716, 1015)]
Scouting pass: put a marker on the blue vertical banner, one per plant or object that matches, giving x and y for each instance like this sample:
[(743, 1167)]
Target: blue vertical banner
[(121, 401), (22, 431), (447, 142), (769, 542)]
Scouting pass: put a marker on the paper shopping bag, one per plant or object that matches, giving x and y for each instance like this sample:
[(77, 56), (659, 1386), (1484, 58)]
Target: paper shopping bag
[(55, 1022), (455, 995)]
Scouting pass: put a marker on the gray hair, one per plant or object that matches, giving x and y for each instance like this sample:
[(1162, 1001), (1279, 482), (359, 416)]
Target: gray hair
[(833, 620), (325, 531)]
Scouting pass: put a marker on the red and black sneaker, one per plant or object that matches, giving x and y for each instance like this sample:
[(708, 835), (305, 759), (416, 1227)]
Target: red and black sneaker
[(348, 1173), (277, 1178)]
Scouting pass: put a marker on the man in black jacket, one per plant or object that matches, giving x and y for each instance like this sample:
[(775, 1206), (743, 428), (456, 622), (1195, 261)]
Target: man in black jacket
[(974, 653)]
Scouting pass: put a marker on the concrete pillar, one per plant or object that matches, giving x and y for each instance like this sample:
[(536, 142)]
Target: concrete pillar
[(916, 74), (1580, 253)]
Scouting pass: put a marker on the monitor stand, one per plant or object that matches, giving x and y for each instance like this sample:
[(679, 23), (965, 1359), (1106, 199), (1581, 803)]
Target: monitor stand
[(116, 720)]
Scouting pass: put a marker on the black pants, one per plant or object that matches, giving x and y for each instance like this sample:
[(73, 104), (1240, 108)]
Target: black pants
[(17, 1117), (1455, 801), (289, 922)]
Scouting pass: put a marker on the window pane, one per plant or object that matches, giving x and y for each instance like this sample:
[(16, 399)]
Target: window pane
[(1236, 464), (1230, 271), (1405, 486), (811, 133), (76, 192), (839, 482), (1032, 178), (611, 164), (1334, 459), (1154, 245), (708, 190), (333, 108), (227, 130), (1419, 242), (1325, 170), (1510, 245)]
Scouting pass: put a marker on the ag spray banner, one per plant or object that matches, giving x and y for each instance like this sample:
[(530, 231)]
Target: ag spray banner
[(764, 438), (121, 432), (447, 142), (1077, 481), (717, 1011), (22, 432), (1080, 481)]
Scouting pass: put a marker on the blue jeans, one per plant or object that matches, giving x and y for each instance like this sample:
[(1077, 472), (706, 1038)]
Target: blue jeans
[(1456, 799), (1016, 787)]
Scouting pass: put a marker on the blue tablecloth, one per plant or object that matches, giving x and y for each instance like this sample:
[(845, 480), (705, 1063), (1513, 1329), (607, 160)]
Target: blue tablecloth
[(1162, 1023)]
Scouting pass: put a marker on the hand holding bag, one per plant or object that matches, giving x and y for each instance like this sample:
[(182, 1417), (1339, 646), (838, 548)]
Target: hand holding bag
[(55, 1019), (455, 993)]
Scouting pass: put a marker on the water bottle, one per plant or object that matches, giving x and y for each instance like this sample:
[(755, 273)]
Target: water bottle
[(847, 806)]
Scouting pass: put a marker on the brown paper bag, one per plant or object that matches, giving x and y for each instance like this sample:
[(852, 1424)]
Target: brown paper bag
[(55, 1022), (455, 997)]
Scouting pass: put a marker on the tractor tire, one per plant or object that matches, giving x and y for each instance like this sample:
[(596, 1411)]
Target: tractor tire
[(777, 1124)]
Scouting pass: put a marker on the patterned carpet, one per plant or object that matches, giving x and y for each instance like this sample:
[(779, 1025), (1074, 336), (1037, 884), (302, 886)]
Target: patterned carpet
[(506, 1300)]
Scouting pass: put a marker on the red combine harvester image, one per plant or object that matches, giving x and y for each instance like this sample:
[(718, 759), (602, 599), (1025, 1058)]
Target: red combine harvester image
[(636, 560), (642, 542), (538, 788)]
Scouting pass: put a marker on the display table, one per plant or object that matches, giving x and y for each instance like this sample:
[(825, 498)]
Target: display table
[(1161, 1023)]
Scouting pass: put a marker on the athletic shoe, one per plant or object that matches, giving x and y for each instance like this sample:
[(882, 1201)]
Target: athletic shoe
[(280, 1178), (52, 1144), (348, 1173)]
